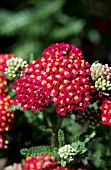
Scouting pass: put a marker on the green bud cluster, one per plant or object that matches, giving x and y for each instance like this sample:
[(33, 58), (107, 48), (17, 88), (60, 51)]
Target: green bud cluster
[(101, 74), (14, 68), (67, 153)]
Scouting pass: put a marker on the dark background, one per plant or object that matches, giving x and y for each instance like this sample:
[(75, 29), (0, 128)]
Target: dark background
[(27, 27)]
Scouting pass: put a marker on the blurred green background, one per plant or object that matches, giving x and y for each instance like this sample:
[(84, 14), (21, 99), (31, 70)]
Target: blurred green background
[(27, 27)]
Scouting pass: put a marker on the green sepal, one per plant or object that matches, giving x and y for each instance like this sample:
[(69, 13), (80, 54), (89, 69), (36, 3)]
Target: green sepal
[(63, 162), (96, 62), (5, 75), (15, 107), (79, 146)]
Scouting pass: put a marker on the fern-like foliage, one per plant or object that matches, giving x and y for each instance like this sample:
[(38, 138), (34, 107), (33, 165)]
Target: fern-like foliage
[(61, 153), (61, 138), (80, 146), (39, 150), (88, 137)]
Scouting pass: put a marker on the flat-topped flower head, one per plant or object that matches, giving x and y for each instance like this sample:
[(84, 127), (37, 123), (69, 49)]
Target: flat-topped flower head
[(106, 112), (6, 117), (60, 77)]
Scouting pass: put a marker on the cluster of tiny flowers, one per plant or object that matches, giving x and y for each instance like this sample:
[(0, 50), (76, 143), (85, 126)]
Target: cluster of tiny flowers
[(67, 153), (101, 74), (44, 162), (14, 67), (88, 116), (61, 77), (106, 112), (38, 162), (6, 117), (15, 166), (3, 142), (3, 85)]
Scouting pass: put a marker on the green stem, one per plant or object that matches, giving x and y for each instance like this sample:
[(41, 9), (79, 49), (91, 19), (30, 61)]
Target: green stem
[(54, 122), (55, 131)]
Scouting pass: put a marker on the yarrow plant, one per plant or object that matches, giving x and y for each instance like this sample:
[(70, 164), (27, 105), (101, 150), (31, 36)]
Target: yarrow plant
[(60, 77), (66, 153), (59, 84), (6, 117)]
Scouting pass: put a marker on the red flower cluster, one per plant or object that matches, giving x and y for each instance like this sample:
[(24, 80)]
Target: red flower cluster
[(3, 85), (6, 118), (106, 112), (60, 77), (44, 162)]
